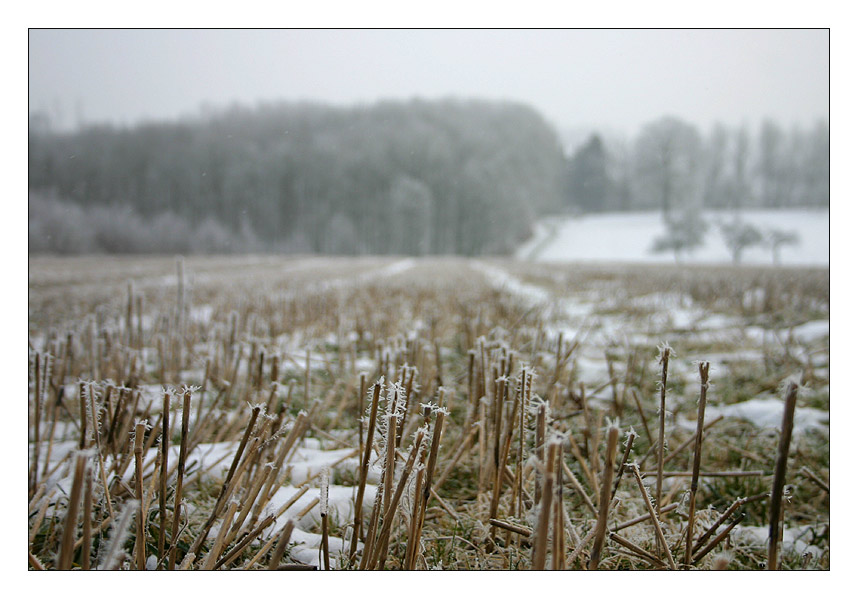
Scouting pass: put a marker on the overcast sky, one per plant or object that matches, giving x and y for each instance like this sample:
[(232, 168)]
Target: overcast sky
[(613, 79)]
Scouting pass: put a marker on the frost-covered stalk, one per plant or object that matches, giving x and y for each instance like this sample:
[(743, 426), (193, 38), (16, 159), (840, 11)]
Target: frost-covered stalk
[(640, 551), (775, 514), (244, 541), (558, 551), (249, 500), (187, 561), (307, 377), (409, 384), (440, 416), (472, 395), (595, 438), (812, 477), (423, 498), (97, 437), (630, 440), (86, 539), (37, 418), (413, 536), (721, 536), (162, 492), (380, 551), (162, 360), (364, 469), (723, 518), (642, 416), (439, 370), (579, 549), (482, 446), (180, 294), (612, 379), (703, 367), (118, 535), (65, 366), (579, 488), (140, 541), (497, 421), (582, 462), (217, 546), (282, 544), (369, 542), (389, 472), (64, 558), (540, 544), (519, 530), (180, 476), (94, 353), (83, 418), (604, 497), (526, 382), (260, 367), (323, 510), (389, 459), (679, 448), (228, 481), (655, 522), (504, 454), (40, 516), (467, 444), (139, 303), (299, 426), (664, 359), (540, 449), (361, 395), (129, 316)]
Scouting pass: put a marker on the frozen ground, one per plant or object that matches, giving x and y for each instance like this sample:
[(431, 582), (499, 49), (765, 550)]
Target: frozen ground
[(595, 317), (628, 237)]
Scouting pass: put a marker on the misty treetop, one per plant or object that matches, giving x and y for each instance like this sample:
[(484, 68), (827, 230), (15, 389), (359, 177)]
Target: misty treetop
[(672, 167), (464, 177)]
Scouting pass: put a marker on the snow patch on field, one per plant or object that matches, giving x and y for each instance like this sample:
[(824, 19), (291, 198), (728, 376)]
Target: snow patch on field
[(628, 237), (768, 413), (201, 314), (811, 331), (794, 539), (500, 279), (210, 461), (559, 311), (395, 268)]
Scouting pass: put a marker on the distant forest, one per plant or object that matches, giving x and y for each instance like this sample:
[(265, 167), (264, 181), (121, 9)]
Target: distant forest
[(415, 178)]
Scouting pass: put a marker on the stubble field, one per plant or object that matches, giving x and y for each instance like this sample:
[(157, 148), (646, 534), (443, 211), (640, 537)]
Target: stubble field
[(482, 414)]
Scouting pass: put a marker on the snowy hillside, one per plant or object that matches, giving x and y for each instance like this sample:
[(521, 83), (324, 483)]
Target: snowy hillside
[(629, 236)]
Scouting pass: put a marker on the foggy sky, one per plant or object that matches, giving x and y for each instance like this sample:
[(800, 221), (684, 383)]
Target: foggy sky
[(576, 78)]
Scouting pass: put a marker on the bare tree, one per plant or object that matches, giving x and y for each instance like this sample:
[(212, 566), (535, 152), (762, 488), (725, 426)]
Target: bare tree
[(668, 165), (776, 238), (740, 235), (682, 234)]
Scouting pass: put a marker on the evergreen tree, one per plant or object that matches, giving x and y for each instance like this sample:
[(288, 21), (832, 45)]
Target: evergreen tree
[(588, 184)]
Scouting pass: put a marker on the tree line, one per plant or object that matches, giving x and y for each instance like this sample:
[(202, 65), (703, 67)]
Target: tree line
[(447, 177), (418, 177), (670, 166)]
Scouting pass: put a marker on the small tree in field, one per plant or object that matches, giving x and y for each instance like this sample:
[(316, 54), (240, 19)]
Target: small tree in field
[(775, 238), (682, 234), (739, 236)]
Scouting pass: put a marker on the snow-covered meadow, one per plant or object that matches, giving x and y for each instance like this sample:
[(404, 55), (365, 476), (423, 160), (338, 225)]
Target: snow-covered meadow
[(629, 237)]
